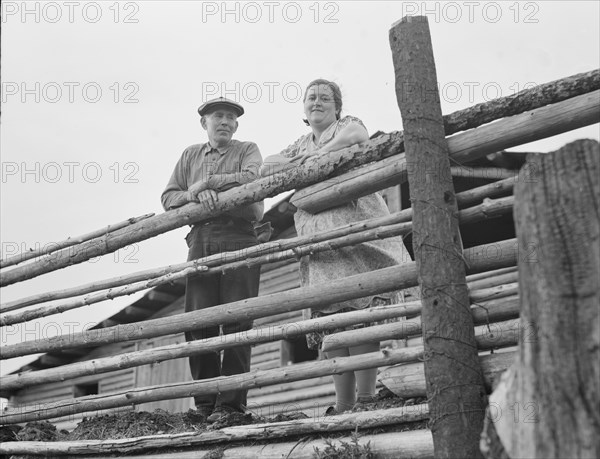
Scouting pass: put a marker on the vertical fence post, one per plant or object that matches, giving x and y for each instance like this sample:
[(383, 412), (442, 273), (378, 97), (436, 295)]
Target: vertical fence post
[(453, 373), (546, 404)]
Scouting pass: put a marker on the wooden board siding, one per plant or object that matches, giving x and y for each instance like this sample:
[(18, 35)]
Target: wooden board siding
[(118, 382), (282, 279), (265, 357), (286, 387), (52, 392), (45, 393), (169, 371)]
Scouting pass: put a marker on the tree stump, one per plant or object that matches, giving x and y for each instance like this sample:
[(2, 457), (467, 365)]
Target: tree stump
[(547, 403)]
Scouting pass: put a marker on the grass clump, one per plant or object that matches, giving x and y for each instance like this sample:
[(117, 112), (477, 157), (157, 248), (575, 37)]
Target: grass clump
[(345, 450)]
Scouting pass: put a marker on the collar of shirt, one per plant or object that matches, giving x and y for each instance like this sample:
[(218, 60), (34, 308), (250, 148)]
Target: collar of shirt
[(208, 148)]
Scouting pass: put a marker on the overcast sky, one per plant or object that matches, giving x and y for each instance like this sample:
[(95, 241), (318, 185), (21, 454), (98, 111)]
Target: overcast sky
[(99, 99)]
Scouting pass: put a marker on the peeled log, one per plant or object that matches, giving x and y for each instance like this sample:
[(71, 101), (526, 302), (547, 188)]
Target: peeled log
[(549, 398), (252, 379), (491, 313), (467, 146), (416, 444), (479, 259), (226, 435)]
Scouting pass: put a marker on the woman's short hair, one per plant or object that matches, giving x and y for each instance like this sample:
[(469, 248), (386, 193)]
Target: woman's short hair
[(335, 89)]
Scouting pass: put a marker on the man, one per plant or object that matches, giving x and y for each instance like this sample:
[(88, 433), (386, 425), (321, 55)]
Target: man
[(202, 171)]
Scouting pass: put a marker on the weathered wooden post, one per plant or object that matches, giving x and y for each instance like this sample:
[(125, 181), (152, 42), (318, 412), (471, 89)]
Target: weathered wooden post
[(455, 386), (546, 405)]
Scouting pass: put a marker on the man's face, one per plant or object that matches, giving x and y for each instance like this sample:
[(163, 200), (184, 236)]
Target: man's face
[(220, 125)]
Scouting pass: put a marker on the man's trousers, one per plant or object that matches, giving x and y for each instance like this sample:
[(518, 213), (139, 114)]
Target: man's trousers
[(206, 291)]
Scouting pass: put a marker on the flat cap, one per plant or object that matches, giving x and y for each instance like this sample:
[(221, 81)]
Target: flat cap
[(211, 105)]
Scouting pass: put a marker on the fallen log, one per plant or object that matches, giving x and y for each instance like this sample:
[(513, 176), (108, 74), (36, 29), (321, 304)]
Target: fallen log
[(551, 391), (228, 435), (467, 146), (408, 380), (481, 258)]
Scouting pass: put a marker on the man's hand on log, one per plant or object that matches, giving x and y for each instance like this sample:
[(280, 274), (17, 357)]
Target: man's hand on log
[(195, 189), (208, 198)]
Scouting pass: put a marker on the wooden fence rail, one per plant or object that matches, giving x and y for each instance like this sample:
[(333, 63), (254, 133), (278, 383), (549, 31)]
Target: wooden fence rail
[(248, 380), (464, 199), (71, 241), (257, 335), (488, 209), (560, 117), (246, 433), (529, 115), (495, 310), (502, 334), (486, 308), (478, 259), (466, 146)]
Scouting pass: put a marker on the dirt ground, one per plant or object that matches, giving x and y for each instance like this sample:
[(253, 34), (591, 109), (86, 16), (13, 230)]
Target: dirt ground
[(136, 424)]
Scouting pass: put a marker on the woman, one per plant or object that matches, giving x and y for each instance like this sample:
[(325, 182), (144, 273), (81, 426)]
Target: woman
[(330, 132)]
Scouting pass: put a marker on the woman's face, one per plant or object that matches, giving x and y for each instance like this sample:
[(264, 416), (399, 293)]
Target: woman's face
[(319, 106)]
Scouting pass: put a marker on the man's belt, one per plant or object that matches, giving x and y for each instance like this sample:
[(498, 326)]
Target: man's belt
[(226, 220), (220, 220)]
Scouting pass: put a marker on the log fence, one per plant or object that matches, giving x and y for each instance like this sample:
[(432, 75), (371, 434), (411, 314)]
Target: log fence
[(464, 199), (573, 113), (375, 229), (493, 291)]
